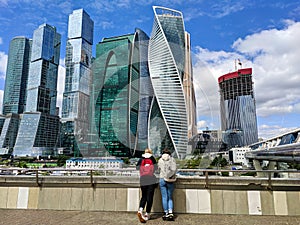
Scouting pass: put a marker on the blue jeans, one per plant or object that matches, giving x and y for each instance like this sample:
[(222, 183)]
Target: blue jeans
[(166, 190)]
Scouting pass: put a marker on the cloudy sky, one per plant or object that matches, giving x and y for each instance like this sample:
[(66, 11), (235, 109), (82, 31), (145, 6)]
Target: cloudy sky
[(264, 35)]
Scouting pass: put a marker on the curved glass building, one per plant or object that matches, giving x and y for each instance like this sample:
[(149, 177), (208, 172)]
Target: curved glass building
[(238, 110), (166, 55), (121, 95)]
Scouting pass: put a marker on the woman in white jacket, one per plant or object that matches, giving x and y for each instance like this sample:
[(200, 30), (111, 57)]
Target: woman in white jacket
[(167, 172)]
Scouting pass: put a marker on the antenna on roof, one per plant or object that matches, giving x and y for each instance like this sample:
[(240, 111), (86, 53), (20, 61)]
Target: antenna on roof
[(238, 61)]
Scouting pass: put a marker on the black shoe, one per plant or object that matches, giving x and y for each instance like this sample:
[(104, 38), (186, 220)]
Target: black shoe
[(164, 217), (170, 217)]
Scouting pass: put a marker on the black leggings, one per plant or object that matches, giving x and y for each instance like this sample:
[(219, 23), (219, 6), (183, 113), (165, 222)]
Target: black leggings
[(147, 197)]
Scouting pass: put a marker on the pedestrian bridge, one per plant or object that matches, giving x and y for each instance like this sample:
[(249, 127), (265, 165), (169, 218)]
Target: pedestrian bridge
[(277, 151), (206, 193), (291, 137)]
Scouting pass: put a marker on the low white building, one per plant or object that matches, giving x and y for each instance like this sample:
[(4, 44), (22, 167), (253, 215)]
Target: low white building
[(94, 163), (237, 155)]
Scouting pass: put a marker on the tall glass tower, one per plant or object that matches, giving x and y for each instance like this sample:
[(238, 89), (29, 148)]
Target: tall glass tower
[(14, 100), (238, 110), (122, 94), (75, 108), (169, 119), (38, 131)]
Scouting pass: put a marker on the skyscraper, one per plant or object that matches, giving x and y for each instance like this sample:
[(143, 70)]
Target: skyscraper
[(238, 110), (189, 91), (121, 89), (169, 119), (14, 100), (38, 131), (75, 121)]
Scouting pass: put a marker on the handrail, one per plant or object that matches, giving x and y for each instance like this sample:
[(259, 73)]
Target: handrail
[(196, 171), (182, 173)]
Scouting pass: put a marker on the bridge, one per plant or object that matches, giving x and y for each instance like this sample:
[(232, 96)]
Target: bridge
[(284, 148)]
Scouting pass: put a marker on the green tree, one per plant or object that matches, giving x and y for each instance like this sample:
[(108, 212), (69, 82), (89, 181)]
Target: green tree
[(22, 164), (61, 160), (219, 161)]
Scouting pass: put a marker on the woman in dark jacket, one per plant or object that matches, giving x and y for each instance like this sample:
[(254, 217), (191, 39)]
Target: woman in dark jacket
[(147, 166)]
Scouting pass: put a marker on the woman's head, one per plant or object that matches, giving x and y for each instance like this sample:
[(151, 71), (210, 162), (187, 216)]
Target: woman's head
[(166, 151), (148, 150)]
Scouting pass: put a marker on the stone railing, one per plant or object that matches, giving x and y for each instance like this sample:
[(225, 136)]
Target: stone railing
[(196, 192)]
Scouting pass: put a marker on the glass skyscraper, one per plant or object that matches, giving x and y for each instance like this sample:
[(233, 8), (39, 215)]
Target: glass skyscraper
[(39, 126), (121, 96), (168, 118), (14, 100), (75, 108), (238, 110)]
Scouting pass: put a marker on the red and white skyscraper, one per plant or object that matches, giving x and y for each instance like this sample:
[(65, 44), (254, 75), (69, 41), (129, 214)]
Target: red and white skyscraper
[(238, 110)]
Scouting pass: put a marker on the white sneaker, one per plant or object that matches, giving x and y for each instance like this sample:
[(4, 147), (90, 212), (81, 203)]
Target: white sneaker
[(146, 216), (141, 217)]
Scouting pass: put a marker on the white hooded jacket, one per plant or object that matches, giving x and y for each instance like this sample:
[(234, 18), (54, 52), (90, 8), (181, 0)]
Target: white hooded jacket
[(167, 168)]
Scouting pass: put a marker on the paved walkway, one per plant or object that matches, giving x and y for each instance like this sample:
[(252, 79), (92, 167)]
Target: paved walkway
[(54, 217)]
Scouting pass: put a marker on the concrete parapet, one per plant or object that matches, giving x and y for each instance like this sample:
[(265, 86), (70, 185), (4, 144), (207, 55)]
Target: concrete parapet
[(218, 195)]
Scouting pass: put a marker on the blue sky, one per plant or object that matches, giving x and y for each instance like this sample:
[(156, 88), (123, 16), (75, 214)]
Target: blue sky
[(264, 35)]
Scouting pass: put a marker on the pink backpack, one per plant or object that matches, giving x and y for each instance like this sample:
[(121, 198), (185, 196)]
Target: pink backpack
[(147, 167)]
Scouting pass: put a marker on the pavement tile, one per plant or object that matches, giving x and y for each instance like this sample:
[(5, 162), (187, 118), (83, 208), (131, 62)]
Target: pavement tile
[(55, 217)]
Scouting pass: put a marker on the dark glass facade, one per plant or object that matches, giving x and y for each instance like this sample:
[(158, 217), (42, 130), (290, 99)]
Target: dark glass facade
[(120, 106), (14, 100)]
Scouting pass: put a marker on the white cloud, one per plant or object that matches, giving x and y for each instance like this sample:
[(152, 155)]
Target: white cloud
[(276, 68), (273, 55), (3, 3), (60, 83), (269, 131), (3, 62), (208, 67), (221, 9), (1, 41), (106, 24)]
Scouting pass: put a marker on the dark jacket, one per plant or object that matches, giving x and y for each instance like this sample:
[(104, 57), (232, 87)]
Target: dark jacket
[(147, 180)]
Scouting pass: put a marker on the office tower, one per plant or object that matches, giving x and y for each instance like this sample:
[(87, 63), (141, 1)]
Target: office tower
[(121, 95), (169, 119), (75, 121), (14, 100), (42, 79), (189, 91), (37, 135), (238, 110)]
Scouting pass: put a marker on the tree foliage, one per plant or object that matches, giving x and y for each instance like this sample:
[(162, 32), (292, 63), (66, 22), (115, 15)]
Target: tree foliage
[(219, 161), (61, 160)]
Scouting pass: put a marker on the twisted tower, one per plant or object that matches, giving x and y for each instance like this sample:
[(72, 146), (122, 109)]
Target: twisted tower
[(168, 117)]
